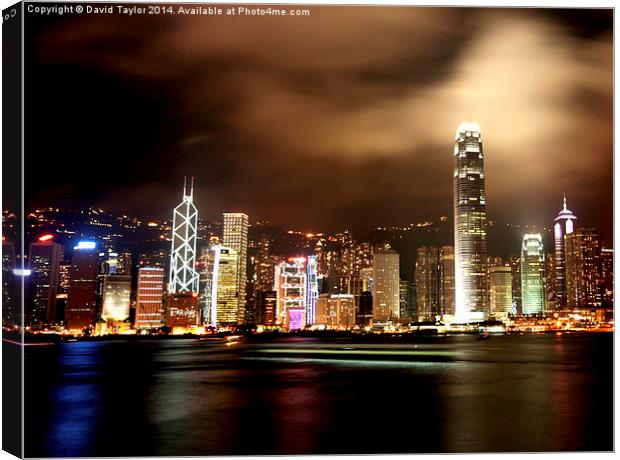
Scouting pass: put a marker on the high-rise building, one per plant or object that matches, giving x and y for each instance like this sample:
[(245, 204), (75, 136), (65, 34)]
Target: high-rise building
[(183, 274), (550, 281), (446, 281), (267, 305), (427, 282), (470, 225), (336, 310), (115, 297), (312, 290), (515, 266), (532, 274), (364, 313), (225, 309), (10, 315), (607, 277), (45, 256), (501, 289), (290, 286), (407, 305), (386, 279), (82, 301), (149, 301), (564, 224), (582, 253), (235, 236)]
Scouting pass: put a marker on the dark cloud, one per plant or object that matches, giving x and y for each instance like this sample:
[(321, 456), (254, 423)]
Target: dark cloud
[(343, 119)]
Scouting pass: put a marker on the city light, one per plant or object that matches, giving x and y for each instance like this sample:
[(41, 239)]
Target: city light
[(46, 237), (20, 272), (86, 245)]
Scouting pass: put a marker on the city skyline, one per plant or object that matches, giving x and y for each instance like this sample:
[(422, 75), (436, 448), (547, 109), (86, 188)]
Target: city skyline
[(369, 174)]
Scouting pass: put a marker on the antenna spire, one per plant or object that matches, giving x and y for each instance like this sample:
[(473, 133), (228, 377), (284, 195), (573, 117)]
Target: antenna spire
[(184, 185), (191, 192), (565, 208)]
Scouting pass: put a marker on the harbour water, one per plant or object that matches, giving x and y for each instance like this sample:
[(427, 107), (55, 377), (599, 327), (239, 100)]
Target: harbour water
[(299, 395)]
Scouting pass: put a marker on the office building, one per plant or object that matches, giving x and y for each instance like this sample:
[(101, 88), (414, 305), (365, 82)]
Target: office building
[(582, 252), (312, 289), (446, 281), (564, 225), (500, 287), (386, 284), (407, 302), (427, 282), (607, 277), (267, 305), (225, 309), (235, 237), (115, 297), (44, 260), (181, 310), (470, 225), (183, 274), (149, 298), (532, 274), (82, 297), (290, 287)]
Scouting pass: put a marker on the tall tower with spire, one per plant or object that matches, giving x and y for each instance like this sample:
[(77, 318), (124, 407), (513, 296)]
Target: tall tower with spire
[(563, 226), (183, 274)]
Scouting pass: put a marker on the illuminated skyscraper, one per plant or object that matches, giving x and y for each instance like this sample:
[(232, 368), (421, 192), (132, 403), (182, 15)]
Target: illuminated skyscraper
[(44, 260), (235, 236), (183, 274), (564, 224), (312, 290), (500, 279), (149, 300), (470, 225), (82, 301), (267, 305), (446, 280), (116, 293), (427, 282), (582, 253), (386, 284), (10, 308), (225, 309), (607, 277), (532, 274), (290, 286)]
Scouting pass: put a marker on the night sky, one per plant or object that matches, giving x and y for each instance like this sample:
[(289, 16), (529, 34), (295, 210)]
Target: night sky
[(344, 119)]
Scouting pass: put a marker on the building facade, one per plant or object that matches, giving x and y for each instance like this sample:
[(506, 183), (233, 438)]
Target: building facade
[(290, 286), (149, 298), (532, 274), (44, 259), (500, 280), (82, 297), (582, 252), (386, 284), (235, 237)]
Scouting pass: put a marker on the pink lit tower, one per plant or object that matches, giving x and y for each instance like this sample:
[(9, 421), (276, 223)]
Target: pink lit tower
[(563, 226)]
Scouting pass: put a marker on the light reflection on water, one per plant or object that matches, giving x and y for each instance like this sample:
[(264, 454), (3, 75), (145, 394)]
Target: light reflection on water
[(309, 396)]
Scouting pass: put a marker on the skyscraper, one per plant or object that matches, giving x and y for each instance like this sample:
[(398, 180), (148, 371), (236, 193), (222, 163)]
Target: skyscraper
[(183, 275), (82, 301), (115, 293), (386, 284), (500, 280), (149, 301), (290, 286), (312, 291), (45, 256), (607, 277), (225, 309), (470, 224), (427, 282), (446, 280), (235, 236), (563, 226), (582, 253), (532, 274)]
